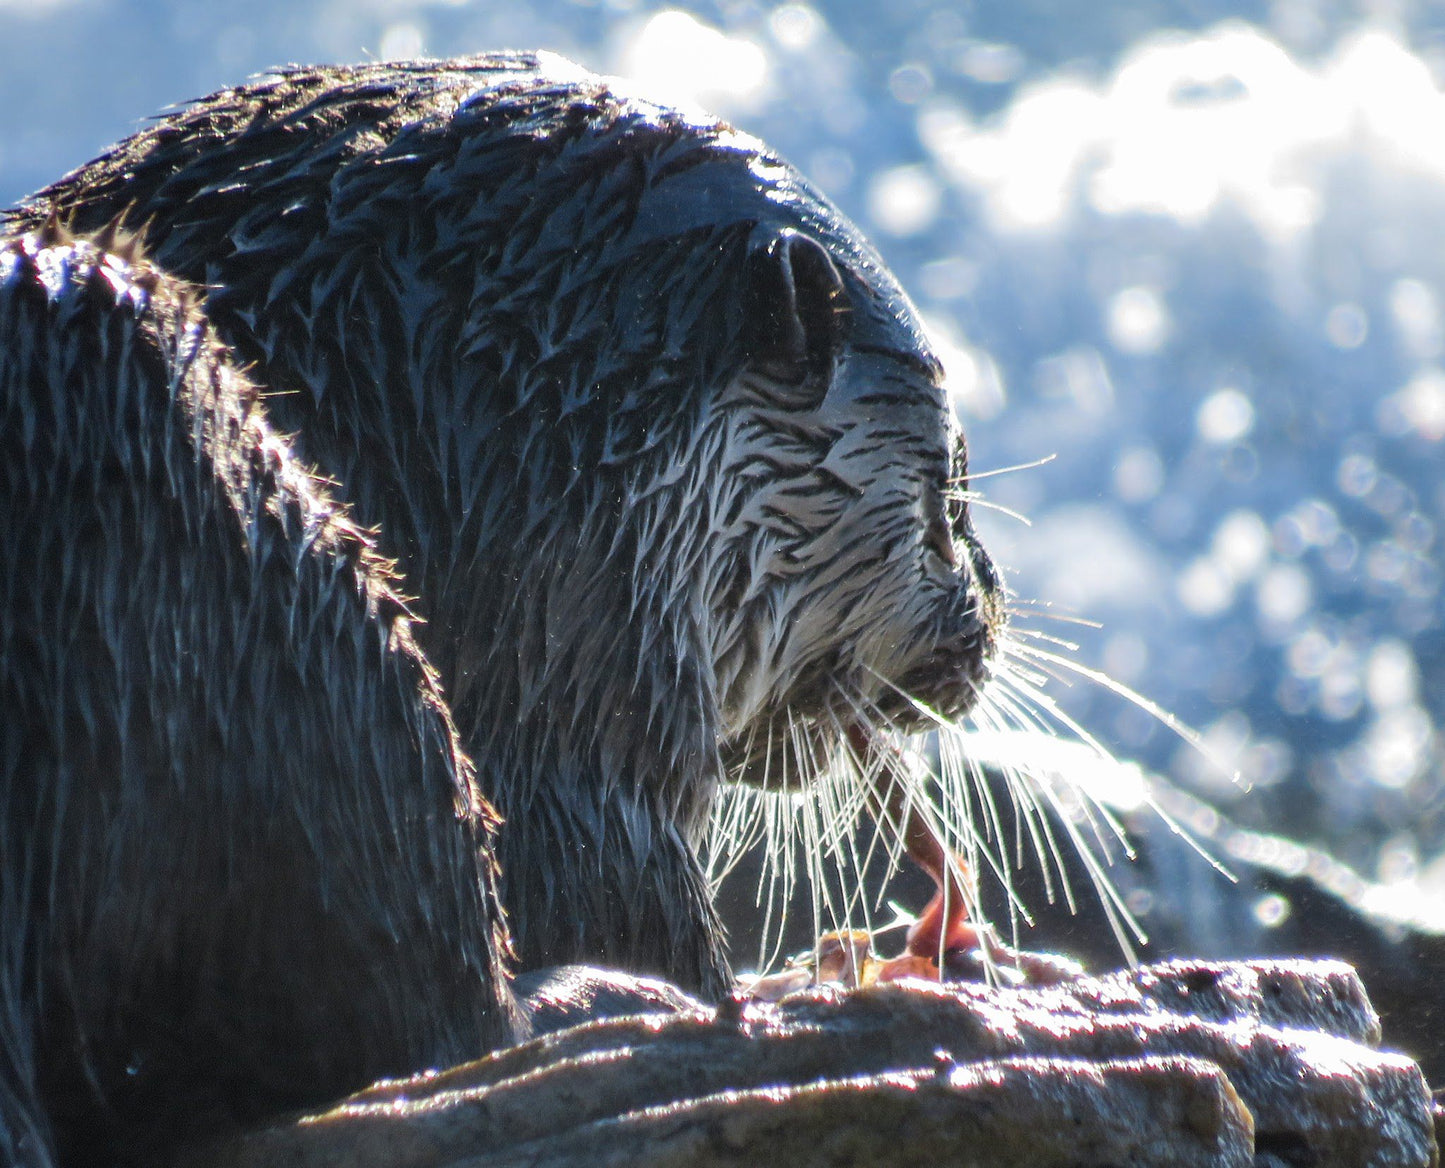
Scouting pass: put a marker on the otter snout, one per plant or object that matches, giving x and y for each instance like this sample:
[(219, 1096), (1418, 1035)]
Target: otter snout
[(948, 680)]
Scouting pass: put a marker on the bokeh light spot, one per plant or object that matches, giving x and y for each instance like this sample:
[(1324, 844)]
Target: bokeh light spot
[(904, 200), (1225, 416), (679, 59), (1138, 322)]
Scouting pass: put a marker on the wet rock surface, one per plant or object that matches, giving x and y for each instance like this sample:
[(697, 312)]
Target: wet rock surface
[(1179, 1063), (1285, 899), (1292, 899)]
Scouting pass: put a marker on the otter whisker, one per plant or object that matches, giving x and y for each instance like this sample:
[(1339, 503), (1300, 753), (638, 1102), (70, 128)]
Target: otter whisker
[(867, 770), (867, 766), (1039, 822), (777, 833), (994, 472), (961, 775), (782, 826), (958, 793), (974, 499), (994, 712), (1022, 787), (1019, 634), (1041, 703), (961, 781), (1054, 664), (1046, 611), (735, 827), (1185, 732), (819, 889), (903, 807), (829, 819), (955, 761)]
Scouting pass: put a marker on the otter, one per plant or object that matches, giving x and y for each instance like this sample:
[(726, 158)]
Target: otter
[(644, 429)]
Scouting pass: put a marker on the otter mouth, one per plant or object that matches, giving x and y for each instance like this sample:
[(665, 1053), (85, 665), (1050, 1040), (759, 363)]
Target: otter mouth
[(795, 745), (945, 686)]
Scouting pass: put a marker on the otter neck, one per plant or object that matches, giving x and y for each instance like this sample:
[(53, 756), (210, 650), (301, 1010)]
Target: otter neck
[(595, 738)]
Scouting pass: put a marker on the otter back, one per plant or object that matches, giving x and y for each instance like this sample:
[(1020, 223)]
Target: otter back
[(243, 864)]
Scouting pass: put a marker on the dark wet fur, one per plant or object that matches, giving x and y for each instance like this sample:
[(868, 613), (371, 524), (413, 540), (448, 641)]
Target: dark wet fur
[(649, 429), (243, 865)]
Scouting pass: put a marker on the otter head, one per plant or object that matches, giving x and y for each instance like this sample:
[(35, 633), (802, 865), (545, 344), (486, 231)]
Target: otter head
[(852, 586)]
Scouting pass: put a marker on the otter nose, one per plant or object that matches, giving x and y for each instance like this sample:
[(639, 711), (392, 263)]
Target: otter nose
[(948, 681)]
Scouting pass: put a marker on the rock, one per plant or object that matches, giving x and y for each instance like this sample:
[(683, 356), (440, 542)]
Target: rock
[(1181, 1063)]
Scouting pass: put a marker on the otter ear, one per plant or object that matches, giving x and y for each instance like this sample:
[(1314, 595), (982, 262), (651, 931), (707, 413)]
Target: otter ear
[(797, 315)]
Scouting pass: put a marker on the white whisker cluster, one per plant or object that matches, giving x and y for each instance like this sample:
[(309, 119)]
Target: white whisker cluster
[(830, 828)]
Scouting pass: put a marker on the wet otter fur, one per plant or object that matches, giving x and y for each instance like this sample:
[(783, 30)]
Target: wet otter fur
[(656, 443), (245, 863)]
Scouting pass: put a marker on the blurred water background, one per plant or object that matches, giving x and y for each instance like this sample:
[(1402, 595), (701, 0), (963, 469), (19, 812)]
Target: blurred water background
[(1192, 249)]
